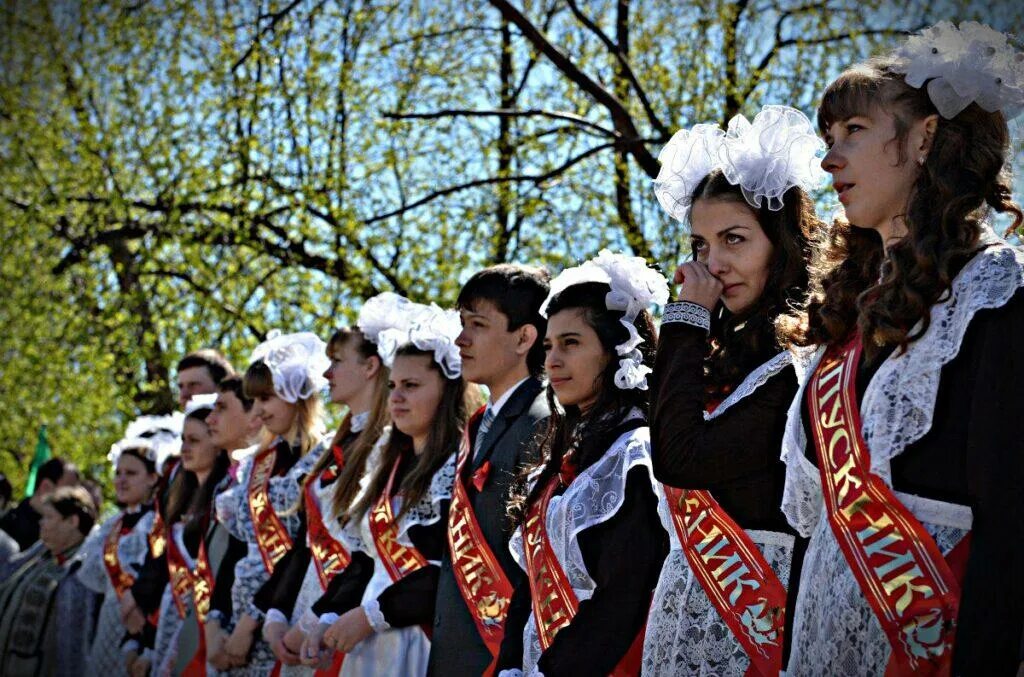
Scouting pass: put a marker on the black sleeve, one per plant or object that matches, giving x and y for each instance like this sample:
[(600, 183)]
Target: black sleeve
[(511, 655), (624, 557), (225, 578), (692, 453), (992, 603), (411, 600), (282, 588), (148, 588), (345, 591)]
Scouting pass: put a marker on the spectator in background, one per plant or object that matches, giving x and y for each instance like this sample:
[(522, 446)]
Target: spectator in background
[(42, 595), (22, 522), (8, 546), (199, 373)]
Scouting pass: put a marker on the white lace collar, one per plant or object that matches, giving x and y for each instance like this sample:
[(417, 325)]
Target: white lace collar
[(899, 402), (752, 382)]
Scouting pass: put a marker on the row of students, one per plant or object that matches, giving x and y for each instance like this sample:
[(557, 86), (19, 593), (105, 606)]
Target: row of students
[(851, 505)]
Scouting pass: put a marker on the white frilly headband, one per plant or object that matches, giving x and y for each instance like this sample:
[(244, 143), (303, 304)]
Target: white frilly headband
[(297, 363), (390, 320), (634, 287), (972, 63), (157, 437), (779, 149)]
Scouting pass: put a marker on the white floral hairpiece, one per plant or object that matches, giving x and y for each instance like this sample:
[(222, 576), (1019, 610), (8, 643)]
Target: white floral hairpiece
[(972, 63), (634, 287), (296, 361), (156, 437), (779, 149), (390, 321)]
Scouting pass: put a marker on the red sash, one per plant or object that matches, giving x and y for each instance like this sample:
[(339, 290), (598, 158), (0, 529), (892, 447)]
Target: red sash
[(179, 574), (399, 561), (482, 582), (271, 536), (554, 601), (905, 578), (734, 574), (202, 593), (329, 556), (121, 579), (157, 532)]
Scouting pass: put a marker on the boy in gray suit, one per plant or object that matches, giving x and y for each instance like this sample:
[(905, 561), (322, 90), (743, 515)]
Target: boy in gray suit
[(502, 348)]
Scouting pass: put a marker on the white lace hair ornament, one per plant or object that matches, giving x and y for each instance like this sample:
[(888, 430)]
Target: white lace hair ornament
[(765, 158), (634, 287), (972, 63), (157, 438), (390, 320), (296, 361), (197, 402)]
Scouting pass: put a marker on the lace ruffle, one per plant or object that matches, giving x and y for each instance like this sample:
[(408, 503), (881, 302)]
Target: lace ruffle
[(752, 382), (899, 402)]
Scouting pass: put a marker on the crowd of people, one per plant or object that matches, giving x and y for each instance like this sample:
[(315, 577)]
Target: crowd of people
[(810, 465)]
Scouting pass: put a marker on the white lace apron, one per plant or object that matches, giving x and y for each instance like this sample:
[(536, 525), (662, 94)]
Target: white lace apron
[(685, 633), (833, 624)]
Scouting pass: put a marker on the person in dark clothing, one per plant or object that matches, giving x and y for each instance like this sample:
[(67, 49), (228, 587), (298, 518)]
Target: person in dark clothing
[(22, 522), (589, 538), (906, 426), (501, 345), (722, 384)]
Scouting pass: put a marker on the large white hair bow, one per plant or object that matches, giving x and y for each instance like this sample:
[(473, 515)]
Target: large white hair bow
[(156, 437), (765, 157), (296, 361), (972, 63), (390, 320), (634, 287)]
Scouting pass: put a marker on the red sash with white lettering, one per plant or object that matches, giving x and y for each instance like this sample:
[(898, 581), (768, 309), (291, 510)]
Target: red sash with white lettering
[(905, 578), (121, 579), (179, 574), (271, 536), (554, 601), (734, 574), (329, 556), (482, 582)]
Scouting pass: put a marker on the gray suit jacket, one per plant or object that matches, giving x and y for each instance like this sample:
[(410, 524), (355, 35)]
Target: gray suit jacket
[(456, 647)]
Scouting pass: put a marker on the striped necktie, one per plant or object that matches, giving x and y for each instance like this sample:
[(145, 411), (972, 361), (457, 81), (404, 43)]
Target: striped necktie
[(485, 425)]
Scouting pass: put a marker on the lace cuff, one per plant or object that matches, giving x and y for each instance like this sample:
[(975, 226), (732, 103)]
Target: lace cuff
[(692, 314), (510, 673), (275, 616), (375, 616), (330, 618)]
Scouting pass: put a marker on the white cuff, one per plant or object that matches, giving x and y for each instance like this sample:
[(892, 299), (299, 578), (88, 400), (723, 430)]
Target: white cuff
[(375, 616), (276, 616), (511, 673), (329, 618), (689, 313), (130, 646)]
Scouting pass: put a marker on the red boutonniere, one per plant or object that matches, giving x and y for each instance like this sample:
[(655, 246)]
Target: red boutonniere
[(480, 476)]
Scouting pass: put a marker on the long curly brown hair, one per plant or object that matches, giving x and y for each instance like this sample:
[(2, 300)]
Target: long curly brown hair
[(741, 342), (887, 295)]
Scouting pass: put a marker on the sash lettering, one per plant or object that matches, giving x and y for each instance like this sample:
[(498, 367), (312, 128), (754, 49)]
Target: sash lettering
[(905, 578), (271, 536), (180, 576), (330, 556), (121, 579), (734, 574), (157, 532), (482, 582)]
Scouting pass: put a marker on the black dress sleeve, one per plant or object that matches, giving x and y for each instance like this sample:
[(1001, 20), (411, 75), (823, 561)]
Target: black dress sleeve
[(510, 657), (282, 588), (148, 588), (692, 453), (411, 600), (624, 557), (345, 591), (991, 616)]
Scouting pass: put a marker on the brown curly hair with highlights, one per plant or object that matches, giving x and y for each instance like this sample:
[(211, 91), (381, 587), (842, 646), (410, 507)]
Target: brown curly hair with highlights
[(887, 295)]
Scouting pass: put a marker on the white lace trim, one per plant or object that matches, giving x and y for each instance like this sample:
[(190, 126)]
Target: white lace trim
[(899, 402), (686, 312), (374, 616), (752, 382)]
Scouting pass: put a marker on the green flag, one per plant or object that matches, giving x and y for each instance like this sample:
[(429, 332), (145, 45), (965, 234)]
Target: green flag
[(42, 456)]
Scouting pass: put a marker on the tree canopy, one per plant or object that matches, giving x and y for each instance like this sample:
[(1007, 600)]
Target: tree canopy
[(179, 174)]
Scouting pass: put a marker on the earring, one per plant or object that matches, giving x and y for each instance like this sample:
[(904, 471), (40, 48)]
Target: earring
[(920, 160)]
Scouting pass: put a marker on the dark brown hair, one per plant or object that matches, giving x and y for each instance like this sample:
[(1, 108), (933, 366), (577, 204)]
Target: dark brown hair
[(75, 501), (741, 342), (458, 398), (963, 177), (186, 497), (216, 364), (593, 432)]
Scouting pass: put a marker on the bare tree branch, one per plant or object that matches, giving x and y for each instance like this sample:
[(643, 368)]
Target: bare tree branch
[(498, 112)]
